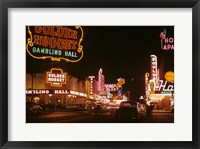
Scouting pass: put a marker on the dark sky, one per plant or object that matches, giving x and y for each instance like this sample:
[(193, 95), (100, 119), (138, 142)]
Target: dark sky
[(121, 51)]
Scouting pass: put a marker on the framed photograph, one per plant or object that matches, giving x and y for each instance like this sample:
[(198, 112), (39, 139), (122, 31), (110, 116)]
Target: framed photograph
[(101, 74)]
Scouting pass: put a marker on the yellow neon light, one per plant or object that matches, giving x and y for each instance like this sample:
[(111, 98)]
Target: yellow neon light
[(79, 50), (158, 97), (120, 82), (147, 74), (169, 76), (51, 83), (146, 78)]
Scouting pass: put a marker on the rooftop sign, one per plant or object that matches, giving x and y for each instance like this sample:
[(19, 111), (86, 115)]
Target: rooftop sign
[(55, 42)]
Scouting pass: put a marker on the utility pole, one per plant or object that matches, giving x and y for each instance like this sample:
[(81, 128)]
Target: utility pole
[(129, 93)]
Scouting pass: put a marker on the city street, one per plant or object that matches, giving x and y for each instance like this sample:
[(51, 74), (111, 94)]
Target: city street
[(87, 75), (92, 117)]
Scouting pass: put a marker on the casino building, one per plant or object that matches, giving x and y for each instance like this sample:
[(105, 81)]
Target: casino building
[(159, 88), (60, 91)]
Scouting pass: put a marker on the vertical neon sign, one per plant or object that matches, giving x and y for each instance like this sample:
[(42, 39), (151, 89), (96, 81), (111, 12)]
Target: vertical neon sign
[(91, 84), (154, 72)]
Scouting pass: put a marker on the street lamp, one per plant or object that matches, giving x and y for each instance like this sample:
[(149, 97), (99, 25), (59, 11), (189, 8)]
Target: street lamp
[(138, 78), (129, 95), (141, 98)]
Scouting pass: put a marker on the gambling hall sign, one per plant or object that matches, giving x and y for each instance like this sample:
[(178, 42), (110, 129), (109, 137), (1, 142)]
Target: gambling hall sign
[(56, 77), (55, 42)]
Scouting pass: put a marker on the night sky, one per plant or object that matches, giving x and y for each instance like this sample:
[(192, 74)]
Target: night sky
[(121, 51)]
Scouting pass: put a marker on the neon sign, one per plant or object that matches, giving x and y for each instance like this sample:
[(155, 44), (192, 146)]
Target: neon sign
[(91, 84), (56, 92), (152, 86), (164, 86), (55, 42), (39, 91), (169, 76), (119, 84), (146, 84), (154, 72), (56, 77), (111, 87), (167, 43), (101, 83)]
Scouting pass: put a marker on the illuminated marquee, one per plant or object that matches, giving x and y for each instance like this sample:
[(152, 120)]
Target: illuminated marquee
[(55, 42), (38, 91), (55, 92), (156, 97), (164, 87), (56, 77)]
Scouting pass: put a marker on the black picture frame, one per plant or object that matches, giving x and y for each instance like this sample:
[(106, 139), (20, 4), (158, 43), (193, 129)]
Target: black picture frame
[(6, 4)]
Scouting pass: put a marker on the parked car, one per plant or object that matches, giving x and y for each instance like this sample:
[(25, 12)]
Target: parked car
[(127, 112), (32, 108)]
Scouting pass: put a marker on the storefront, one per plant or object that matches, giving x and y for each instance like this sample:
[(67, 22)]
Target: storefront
[(55, 91)]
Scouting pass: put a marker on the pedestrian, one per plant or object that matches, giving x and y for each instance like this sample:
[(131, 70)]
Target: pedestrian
[(149, 109)]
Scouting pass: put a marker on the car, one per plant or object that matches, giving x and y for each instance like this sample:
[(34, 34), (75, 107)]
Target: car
[(127, 112), (32, 108), (172, 109), (142, 109), (97, 108)]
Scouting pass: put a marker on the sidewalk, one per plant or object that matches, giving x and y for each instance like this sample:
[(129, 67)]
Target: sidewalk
[(161, 111)]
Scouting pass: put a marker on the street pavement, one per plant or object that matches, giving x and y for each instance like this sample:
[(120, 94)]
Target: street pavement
[(92, 117)]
